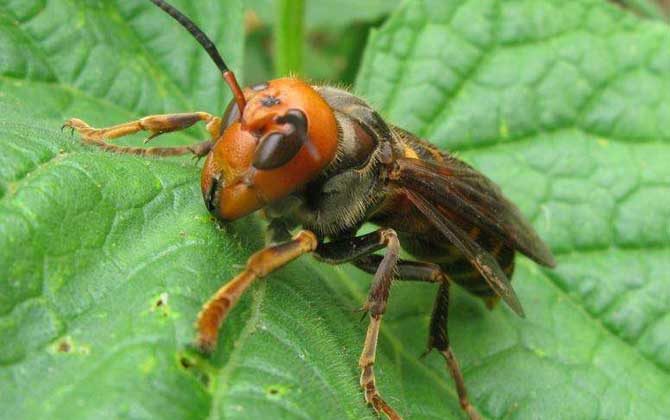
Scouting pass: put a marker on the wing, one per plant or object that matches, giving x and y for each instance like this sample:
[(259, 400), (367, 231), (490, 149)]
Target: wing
[(487, 266), (459, 189)]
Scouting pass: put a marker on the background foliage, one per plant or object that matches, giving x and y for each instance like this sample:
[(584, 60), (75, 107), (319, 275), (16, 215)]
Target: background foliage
[(105, 259)]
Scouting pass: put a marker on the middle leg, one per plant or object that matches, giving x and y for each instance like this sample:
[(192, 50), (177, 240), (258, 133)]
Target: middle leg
[(350, 249), (438, 337)]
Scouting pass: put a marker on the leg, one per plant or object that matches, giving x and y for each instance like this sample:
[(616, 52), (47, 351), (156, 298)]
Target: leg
[(406, 270), (258, 266), (349, 249), (156, 125), (438, 337)]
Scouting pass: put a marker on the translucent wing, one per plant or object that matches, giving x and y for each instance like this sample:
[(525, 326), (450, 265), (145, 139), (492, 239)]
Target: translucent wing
[(456, 188), (487, 266)]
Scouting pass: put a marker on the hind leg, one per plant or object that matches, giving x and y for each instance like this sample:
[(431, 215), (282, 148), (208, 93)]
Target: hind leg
[(439, 340)]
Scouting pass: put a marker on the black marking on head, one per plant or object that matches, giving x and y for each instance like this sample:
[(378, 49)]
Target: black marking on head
[(210, 196), (65, 346), (270, 101)]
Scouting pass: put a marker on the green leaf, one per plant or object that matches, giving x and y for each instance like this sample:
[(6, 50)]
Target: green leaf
[(652, 9), (562, 104)]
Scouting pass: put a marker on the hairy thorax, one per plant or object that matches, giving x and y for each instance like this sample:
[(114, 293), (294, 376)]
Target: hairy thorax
[(351, 188)]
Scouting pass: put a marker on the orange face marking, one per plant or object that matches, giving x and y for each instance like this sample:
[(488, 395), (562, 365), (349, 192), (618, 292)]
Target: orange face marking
[(244, 188)]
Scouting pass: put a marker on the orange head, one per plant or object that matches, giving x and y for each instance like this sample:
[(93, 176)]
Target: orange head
[(277, 137), (284, 138)]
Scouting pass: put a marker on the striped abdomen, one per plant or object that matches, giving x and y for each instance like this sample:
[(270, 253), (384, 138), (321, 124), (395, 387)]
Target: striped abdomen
[(430, 246)]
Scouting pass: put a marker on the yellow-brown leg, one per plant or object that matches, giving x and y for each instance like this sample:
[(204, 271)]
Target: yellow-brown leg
[(154, 124), (438, 337), (455, 370), (357, 249), (258, 266), (366, 363), (376, 305)]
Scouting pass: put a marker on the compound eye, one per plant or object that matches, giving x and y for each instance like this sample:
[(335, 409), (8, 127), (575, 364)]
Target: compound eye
[(277, 148), (231, 115)]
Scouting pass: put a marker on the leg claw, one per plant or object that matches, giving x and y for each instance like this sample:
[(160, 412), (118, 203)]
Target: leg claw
[(381, 407), (78, 125), (364, 310), (204, 345)]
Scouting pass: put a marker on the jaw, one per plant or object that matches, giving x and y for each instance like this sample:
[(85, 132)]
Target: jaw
[(237, 201)]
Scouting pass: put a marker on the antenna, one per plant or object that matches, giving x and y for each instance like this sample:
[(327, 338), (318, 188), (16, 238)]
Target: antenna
[(209, 46)]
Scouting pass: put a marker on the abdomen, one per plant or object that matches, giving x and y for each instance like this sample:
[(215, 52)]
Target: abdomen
[(420, 239), (429, 246)]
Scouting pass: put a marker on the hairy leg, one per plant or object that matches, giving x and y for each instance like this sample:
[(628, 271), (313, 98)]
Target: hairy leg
[(439, 340), (438, 337), (154, 124), (350, 249), (406, 270), (258, 266)]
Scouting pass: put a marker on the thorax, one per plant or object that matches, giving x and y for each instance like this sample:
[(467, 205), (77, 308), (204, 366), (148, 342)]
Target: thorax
[(352, 186)]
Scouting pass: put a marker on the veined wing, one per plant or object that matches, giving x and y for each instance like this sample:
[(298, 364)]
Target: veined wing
[(458, 188), (487, 266)]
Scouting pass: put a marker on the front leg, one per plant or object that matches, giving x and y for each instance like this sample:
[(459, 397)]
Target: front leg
[(258, 266), (155, 125)]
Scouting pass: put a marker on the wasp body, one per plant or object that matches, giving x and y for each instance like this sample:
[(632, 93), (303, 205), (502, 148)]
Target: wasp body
[(321, 159)]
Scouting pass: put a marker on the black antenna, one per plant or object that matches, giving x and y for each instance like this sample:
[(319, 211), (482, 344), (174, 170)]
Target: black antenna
[(209, 46), (197, 33)]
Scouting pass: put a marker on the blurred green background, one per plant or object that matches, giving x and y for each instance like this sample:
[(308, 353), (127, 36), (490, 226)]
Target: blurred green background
[(335, 33)]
